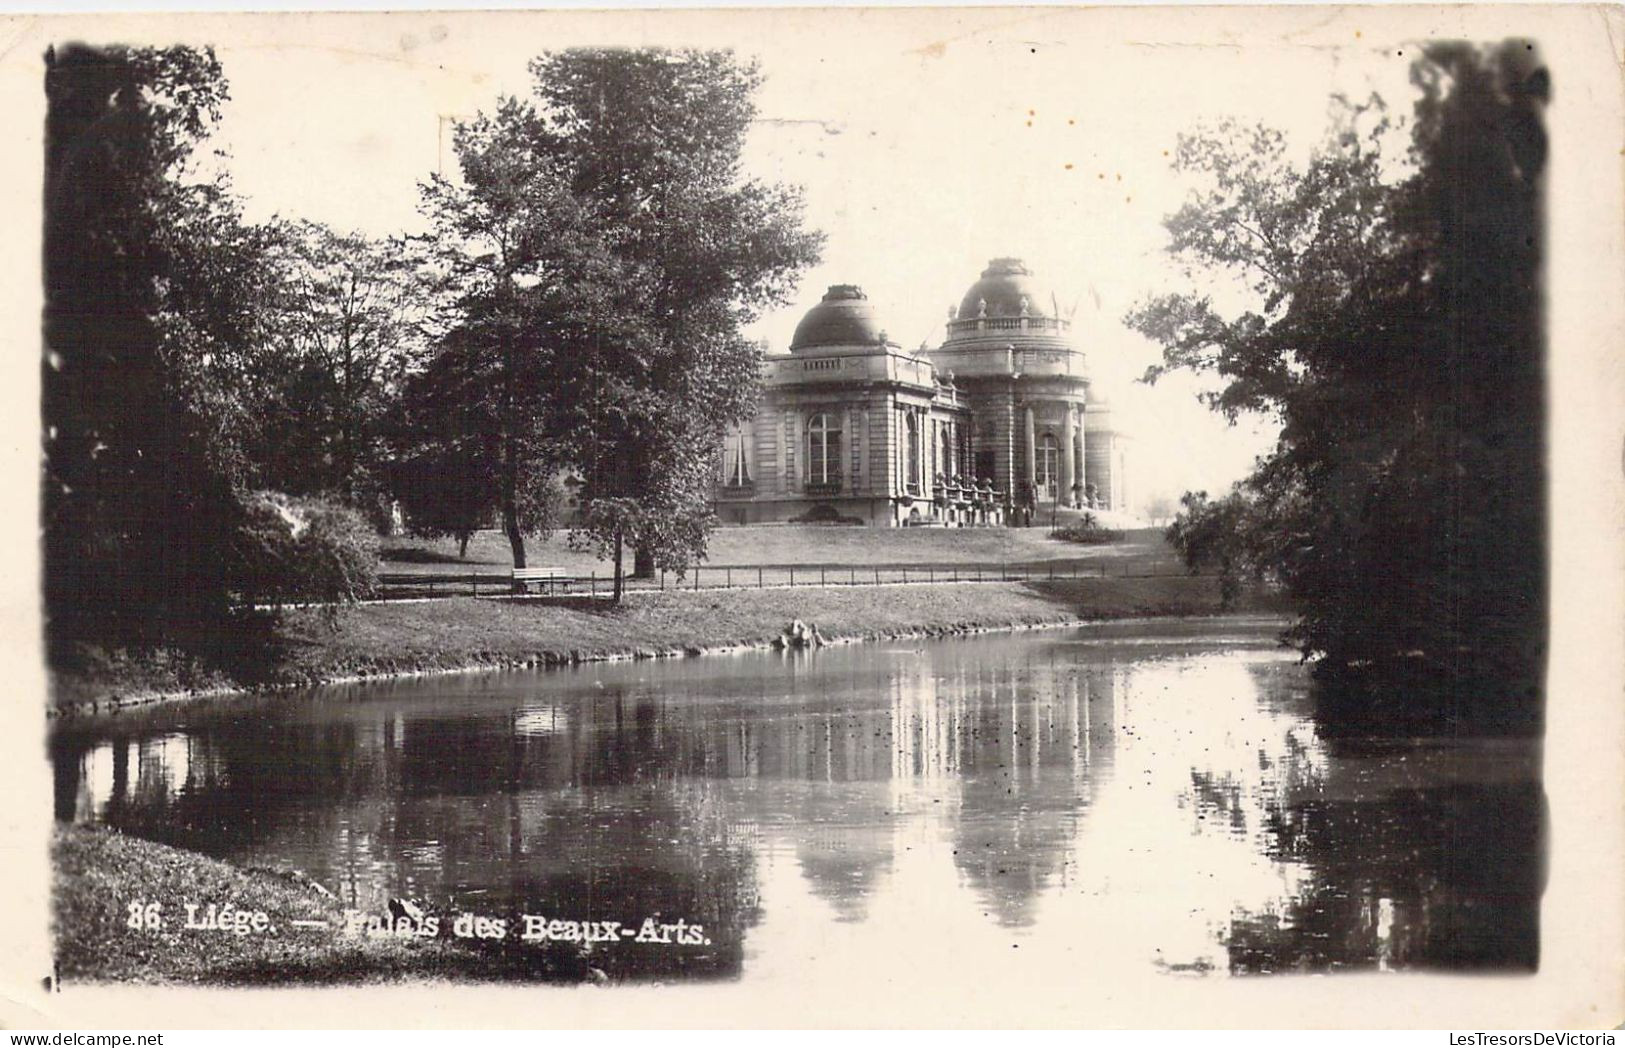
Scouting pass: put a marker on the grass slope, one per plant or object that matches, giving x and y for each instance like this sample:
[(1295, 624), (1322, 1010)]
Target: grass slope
[(99, 873), (459, 632)]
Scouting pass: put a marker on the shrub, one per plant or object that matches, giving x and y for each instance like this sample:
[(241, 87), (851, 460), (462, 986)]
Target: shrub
[(1234, 535), (304, 549), (824, 513), (1087, 531)]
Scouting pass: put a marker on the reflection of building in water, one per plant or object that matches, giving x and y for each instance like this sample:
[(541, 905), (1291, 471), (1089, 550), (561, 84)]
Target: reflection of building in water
[(1029, 765), (845, 862), (618, 792), (843, 833), (622, 795), (1026, 744)]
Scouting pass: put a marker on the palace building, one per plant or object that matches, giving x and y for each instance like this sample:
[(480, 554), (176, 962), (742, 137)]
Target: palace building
[(998, 424)]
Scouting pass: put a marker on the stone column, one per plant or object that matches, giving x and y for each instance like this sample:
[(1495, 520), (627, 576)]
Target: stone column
[(927, 454), (1032, 449), (860, 447), (1083, 456), (1068, 463), (1007, 448)]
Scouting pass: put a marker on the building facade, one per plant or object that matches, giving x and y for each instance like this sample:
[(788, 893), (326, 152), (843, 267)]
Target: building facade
[(996, 425)]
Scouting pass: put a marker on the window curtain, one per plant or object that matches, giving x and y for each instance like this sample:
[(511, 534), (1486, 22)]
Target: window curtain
[(736, 466)]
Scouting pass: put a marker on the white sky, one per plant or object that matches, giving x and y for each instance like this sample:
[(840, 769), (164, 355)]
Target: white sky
[(928, 142)]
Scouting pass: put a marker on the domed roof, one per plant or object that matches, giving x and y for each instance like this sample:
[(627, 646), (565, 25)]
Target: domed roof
[(843, 318), (1006, 284)]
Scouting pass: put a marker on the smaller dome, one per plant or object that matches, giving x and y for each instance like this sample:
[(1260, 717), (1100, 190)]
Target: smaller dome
[(843, 318)]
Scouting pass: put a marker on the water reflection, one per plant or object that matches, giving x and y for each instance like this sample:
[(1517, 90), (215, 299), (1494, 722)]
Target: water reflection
[(1158, 789)]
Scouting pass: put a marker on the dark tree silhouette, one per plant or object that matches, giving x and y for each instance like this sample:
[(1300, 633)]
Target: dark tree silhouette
[(1397, 334), (148, 279)]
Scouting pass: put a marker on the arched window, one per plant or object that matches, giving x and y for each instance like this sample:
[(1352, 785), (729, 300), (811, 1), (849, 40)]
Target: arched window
[(823, 450), (1049, 456), (945, 461)]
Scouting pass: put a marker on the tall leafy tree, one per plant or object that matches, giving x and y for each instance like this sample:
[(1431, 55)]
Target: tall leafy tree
[(347, 322), (601, 253), (652, 142), (1393, 324), (515, 261)]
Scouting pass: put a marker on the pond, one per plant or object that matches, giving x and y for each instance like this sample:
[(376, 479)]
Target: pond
[(1147, 795)]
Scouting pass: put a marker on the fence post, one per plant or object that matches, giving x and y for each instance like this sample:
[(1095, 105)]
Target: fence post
[(759, 578), (696, 576), (877, 576), (905, 574), (823, 578), (728, 577), (792, 578), (592, 581)]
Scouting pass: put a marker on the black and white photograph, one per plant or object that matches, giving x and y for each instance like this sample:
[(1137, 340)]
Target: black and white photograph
[(907, 517)]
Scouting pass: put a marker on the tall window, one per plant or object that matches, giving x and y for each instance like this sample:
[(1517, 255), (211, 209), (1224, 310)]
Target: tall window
[(736, 459), (1049, 453), (823, 450), (945, 464), (985, 455), (912, 448)]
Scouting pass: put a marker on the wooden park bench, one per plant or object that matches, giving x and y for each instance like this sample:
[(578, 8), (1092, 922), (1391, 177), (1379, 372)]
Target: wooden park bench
[(544, 578)]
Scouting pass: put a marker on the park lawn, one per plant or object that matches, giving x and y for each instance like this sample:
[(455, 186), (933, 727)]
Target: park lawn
[(466, 631), (100, 872), (801, 546), (402, 637)]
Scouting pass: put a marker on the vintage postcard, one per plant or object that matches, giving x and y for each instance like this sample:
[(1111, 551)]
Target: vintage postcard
[(1032, 517)]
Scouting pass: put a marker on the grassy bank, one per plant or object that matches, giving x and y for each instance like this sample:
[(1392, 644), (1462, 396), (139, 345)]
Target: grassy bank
[(803, 546), (455, 633), (99, 873)]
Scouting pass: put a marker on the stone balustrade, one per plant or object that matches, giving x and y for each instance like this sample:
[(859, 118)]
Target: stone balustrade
[(1037, 324)]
